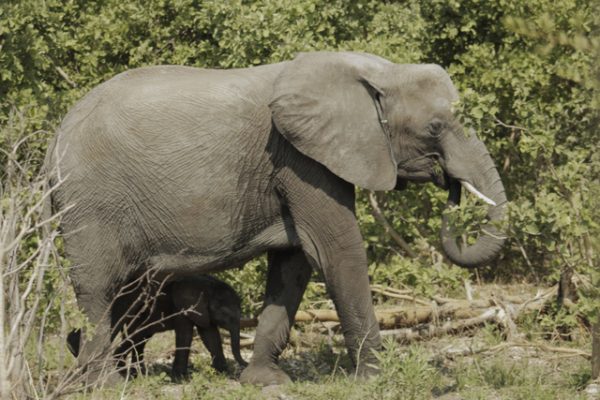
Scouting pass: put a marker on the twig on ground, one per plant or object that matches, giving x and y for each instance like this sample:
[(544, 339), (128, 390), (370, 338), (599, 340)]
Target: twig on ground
[(508, 322), (391, 294), (392, 289), (565, 351), (468, 289), (555, 349)]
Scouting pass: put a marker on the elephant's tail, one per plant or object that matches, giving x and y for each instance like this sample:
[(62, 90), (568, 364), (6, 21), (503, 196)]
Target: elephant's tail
[(46, 171), (52, 179), (235, 346)]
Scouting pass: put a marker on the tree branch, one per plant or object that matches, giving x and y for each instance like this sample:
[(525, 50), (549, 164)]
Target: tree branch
[(378, 214), (66, 77)]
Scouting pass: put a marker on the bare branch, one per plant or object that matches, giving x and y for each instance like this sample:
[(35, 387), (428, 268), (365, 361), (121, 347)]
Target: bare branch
[(498, 122), (399, 296), (378, 214), (66, 77)]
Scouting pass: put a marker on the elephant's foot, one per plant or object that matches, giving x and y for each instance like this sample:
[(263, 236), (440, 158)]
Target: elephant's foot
[(180, 374), (220, 365), (366, 371), (102, 377), (113, 379), (264, 375), (136, 370)]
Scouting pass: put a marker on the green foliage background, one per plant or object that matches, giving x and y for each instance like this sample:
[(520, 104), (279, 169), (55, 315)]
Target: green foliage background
[(524, 70)]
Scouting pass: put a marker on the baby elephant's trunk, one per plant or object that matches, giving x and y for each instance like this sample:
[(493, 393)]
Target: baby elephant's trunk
[(235, 346)]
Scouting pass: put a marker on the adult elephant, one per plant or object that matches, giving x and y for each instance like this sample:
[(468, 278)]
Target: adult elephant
[(192, 171)]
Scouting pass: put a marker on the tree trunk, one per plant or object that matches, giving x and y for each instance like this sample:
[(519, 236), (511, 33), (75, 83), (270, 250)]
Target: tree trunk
[(596, 350)]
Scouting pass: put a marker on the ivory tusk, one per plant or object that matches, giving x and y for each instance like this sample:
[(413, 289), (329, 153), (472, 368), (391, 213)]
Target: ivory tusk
[(477, 193)]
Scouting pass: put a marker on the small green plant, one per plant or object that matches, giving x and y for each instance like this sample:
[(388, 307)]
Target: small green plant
[(405, 373), (500, 374), (491, 334), (558, 322), (415, 274), (579, 379)]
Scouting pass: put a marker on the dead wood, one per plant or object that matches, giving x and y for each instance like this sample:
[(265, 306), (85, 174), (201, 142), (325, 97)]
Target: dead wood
[(565, 351), (555, 349), (400, 296), (387, 289), (427, 331), (440, 309), (390, 317)]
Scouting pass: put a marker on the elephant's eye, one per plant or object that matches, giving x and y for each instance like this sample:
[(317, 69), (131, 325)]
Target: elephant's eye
[(435, 128)]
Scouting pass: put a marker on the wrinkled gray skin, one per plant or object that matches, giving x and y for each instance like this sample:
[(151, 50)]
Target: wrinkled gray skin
[(203, 302), (194, 170)]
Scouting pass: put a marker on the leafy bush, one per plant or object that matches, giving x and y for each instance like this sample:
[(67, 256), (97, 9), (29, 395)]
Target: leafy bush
[(404, 273)]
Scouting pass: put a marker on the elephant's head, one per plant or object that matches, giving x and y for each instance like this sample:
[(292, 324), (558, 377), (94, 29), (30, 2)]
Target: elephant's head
[(377, 124)]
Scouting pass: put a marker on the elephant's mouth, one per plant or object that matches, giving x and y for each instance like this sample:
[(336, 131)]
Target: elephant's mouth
[(425, 168), (441, 179)]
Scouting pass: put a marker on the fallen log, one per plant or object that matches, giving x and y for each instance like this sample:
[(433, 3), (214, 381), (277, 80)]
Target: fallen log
[(301, 316), (445, 313), (390, 317), (401, 294), (427, 331)]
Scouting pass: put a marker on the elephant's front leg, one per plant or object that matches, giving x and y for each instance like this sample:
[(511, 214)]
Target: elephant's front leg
[(345, 270), (288, 275), (184, 332), (348, 285), (324, 218)]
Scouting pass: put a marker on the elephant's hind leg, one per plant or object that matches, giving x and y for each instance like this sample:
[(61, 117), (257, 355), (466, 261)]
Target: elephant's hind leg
[(212, 340), (98, 261), (95, 353), (289, 273)]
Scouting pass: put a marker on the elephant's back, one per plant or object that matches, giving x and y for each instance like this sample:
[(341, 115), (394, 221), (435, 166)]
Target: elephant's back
[(158, 105), (160, 151)]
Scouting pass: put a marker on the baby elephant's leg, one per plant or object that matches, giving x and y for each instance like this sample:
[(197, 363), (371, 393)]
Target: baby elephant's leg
[(184, 331), (121, 354), (137, 357), (133, 345), (212, 340)]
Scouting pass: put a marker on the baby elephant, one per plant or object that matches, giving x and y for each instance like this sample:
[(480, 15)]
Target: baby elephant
[(200, 301)]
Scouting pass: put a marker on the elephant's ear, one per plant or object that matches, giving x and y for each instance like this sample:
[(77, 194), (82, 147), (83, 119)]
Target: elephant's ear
[(325, 105)]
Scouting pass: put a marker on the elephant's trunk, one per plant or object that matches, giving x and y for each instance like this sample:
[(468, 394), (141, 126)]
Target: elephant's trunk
[(235, 346), (488, 186)]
